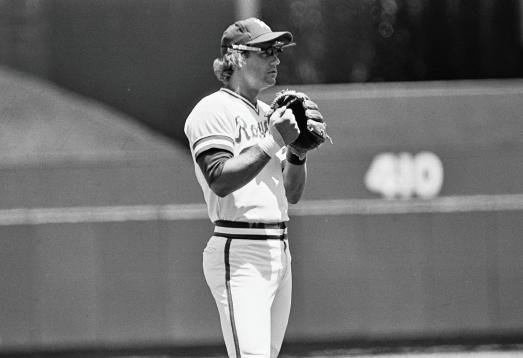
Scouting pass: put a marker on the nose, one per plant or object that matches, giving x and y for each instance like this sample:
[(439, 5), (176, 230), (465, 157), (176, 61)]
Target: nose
[(275, 61)]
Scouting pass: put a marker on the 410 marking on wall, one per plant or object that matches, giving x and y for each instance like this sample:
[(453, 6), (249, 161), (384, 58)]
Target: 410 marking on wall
[(405, 175)]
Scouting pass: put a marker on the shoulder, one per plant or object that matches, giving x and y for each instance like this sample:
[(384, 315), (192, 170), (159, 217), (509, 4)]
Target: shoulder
[(213, 106), (210, 117)]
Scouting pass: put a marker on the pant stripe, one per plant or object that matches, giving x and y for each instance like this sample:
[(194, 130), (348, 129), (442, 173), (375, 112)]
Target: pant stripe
[(229, 297)]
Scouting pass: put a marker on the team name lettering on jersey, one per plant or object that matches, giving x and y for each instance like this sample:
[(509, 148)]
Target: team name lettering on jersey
[(250, 132)]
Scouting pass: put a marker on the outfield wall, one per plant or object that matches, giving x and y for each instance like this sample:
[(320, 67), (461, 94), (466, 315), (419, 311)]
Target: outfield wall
[(365, 266), (451, 264)]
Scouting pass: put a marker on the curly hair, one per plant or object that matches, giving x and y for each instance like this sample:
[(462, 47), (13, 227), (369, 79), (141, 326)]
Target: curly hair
[(224, 67)]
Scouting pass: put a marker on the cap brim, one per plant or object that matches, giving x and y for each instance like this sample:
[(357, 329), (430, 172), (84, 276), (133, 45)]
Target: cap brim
[(283, 36)]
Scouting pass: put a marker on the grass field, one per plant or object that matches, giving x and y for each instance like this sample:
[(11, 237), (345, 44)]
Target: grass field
[(435, 352), (493, 354), (416, 351), (424, 354), (506, 347)]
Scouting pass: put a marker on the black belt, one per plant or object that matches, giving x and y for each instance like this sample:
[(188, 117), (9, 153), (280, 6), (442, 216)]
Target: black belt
[(250, 231)]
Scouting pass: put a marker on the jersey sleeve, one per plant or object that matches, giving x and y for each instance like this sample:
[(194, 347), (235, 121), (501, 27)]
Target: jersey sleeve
[(211, 163), (209, 128)]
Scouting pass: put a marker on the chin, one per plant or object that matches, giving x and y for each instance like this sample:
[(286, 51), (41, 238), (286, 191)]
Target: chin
[(271, 82)]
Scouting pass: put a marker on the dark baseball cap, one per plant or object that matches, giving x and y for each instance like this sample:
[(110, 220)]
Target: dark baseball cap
[(253, 31)]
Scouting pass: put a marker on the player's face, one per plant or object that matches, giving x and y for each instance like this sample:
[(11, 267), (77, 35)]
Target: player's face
[(259, 70)]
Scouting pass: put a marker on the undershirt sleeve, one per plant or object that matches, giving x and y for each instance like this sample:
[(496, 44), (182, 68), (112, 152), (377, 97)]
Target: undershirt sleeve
[(211, 163)]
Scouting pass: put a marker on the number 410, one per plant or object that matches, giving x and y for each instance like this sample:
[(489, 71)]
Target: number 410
[(405, 175)]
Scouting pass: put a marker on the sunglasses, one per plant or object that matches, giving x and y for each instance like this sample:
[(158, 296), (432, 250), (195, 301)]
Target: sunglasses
[(271, 51)]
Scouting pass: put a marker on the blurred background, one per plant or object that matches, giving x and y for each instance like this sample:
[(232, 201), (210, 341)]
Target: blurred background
[(410, 229)]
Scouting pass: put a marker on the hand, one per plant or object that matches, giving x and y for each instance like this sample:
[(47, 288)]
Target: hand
[(282, 122)]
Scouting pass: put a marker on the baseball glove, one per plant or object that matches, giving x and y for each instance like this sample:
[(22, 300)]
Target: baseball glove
[(309, 119)]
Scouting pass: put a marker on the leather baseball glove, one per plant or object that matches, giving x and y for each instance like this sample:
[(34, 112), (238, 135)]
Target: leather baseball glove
[(309, 119)]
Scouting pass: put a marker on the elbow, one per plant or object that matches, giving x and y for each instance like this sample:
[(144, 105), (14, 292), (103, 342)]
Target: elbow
[(220, 190), (293, 199)]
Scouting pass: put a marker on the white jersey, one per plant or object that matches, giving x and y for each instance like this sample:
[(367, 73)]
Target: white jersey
[(228, 121)]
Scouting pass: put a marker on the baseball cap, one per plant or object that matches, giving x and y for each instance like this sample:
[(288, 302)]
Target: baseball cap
[(253, 31)]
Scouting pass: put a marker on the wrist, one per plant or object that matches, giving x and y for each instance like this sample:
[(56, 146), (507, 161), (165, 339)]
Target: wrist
[(296, 159), (300, 154)]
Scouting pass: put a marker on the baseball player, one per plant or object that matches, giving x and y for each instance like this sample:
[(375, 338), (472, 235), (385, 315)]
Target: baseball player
[(248, 176)]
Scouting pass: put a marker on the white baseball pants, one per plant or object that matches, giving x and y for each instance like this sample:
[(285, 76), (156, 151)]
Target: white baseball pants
[(251, 282)]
